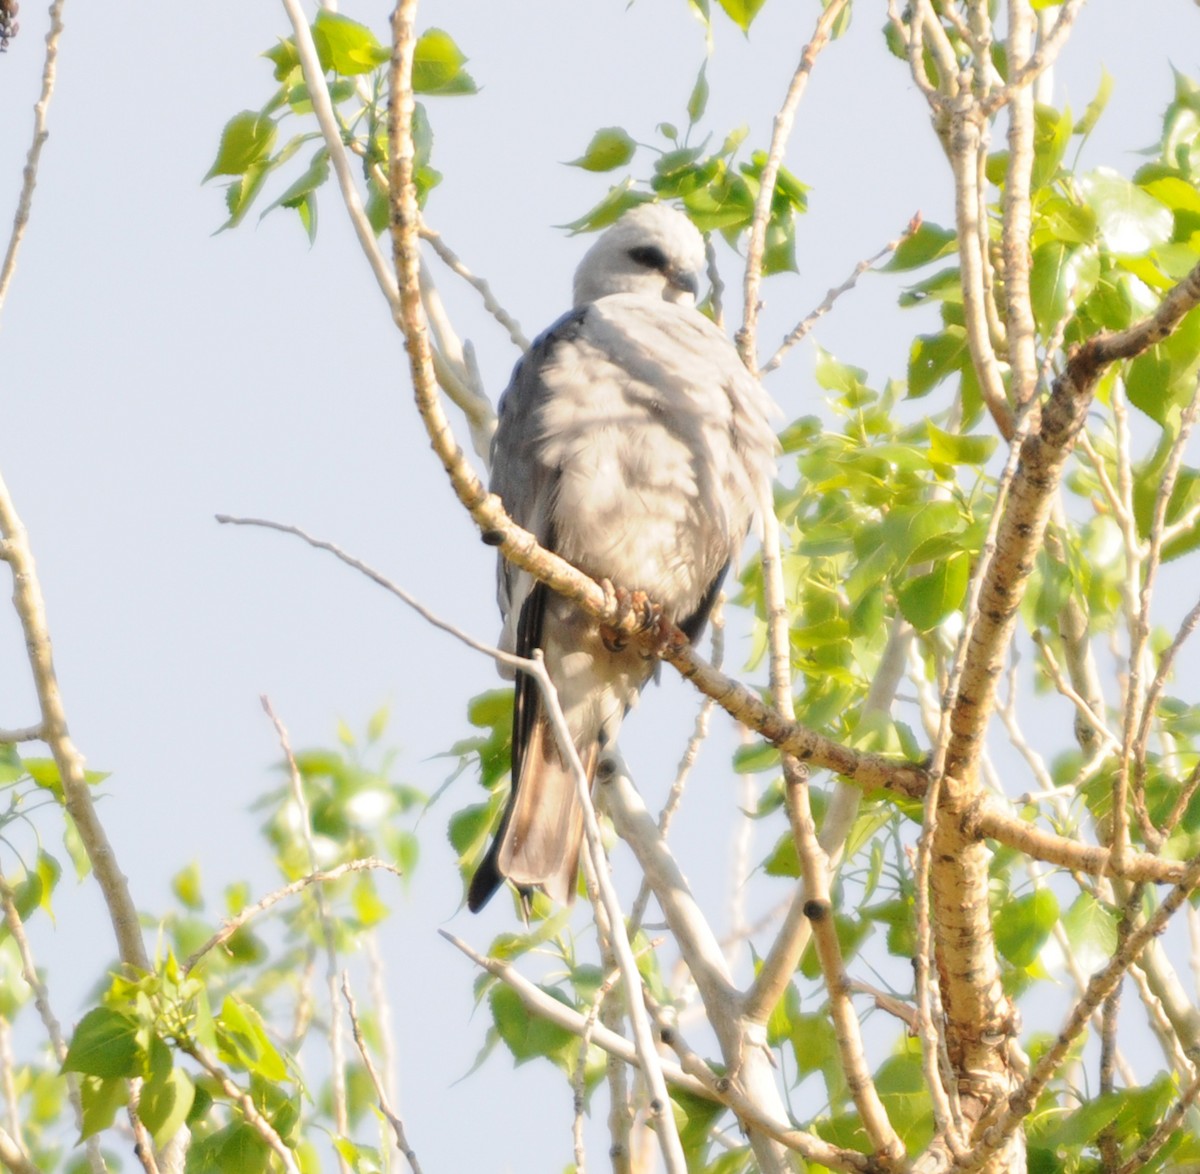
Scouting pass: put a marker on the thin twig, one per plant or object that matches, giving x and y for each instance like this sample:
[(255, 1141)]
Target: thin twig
[(782, 128), (13, 1157), (869, 771), (41, 1001), (637, 910), (800, 331), (230, 927), (1047, 53), (245, 1103), (456, 265), (381, 1097), (341, 1116), (660, 1102), (701, 1082), (31, 610), (33, 158), (998, 1126)]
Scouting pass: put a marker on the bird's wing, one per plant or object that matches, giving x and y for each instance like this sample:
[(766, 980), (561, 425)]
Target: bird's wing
[(544, 818), (524, 480)]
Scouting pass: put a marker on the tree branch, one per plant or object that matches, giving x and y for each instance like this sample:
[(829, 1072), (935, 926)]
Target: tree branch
[(782, 128), (33, 158), (250, 912), (31, 610), (385, 1106)]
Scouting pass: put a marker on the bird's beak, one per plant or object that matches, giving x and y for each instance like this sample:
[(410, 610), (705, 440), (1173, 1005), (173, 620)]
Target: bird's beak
[(682, 282)]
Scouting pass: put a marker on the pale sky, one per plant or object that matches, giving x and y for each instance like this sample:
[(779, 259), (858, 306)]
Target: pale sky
[(153, 374)]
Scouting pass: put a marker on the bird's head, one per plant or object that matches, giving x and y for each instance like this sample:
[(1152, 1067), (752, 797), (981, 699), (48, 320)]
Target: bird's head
[(652, 250)]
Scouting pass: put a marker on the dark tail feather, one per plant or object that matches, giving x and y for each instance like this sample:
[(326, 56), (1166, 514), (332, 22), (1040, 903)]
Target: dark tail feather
[(486, 880), (488, 877)]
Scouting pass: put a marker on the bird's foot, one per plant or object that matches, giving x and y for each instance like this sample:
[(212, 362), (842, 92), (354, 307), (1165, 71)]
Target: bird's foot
[(647, 616)]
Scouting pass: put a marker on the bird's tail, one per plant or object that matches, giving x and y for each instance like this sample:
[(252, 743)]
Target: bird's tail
[(541, 837)]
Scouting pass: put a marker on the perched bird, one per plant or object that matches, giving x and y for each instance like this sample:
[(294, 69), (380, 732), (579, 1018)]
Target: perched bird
[(633, 442)]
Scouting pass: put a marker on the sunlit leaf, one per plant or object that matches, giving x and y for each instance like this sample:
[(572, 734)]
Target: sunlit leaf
[(742, 12), (104, 1043), (1022, 925), (926, 600), (1129, 220), (246, 140), (610, 148), (438, 65), (345, 46)]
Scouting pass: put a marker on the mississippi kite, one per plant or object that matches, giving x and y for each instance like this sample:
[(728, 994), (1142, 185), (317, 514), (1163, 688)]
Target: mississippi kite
[(634, 443)]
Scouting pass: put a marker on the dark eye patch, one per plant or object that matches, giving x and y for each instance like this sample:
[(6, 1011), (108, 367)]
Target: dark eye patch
[(651, 256)]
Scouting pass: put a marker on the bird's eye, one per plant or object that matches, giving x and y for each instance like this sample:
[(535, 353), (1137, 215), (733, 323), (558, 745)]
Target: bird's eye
[(651, 256)]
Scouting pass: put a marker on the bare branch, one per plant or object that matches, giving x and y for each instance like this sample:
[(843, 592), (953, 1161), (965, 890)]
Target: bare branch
[(13, 1156), (250, 912), (33, 158), (1021, 330), (801, 331), (1047, 53), (41, 1001), (455, 264), (314, 79), (381, 1096), (747, 336), (341, 1117), (702, 1083), (31, 610), (660, 1103)]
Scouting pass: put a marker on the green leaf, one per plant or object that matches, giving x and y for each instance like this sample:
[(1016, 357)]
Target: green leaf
[(377, 723), (1022, 925), (11, 767), (345, 46), (240, 1151), (527, 1035), (186, 886), (755, 758), (934, 357), (1061, 278), (926, 600), (1052, 133), (296, 196), (951, 448), (1129, 220), (1176, 193), (246, 140), (742, 12), (285, 57), (726, 203), (165, 1102), (1080, 1127), (242, 1040), (1096, 106), (438, 65), (928, 243), (619, 199), (1161, 381), (102, 1098), (1091, 928), (35, 888), (698, 99), (105, 1044), (783, 860), (242, 193), (917, 532), (610, 148)]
